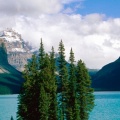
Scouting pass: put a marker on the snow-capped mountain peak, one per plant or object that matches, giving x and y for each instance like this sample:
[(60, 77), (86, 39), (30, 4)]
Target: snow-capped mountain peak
[(10, 35), (13, 41), (18, 51)]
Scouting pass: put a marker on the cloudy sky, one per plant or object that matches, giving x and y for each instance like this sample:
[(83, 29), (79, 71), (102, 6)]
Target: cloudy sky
[(90, 27)]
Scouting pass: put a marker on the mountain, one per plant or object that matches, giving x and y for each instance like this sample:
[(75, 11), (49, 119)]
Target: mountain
[(92, 72), (10, 78), (19, 51), (108, 78)]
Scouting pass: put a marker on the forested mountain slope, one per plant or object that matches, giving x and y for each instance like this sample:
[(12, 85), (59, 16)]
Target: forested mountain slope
[(10, 79), (108, 78)]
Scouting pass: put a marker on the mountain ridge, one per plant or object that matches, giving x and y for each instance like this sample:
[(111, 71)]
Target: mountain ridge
[(108, 77)]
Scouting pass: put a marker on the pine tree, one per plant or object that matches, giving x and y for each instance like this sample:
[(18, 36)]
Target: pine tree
[(43, 103), (44, 83), (63, 80), (41, 55), (27, 109), (45, 88), (53, 93), (73, 111), (84, 91), (38, 99)]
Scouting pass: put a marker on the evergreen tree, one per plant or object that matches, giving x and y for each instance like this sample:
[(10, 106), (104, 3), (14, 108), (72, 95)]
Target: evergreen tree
[(63, 80), (27, 109), (73, 111), (48, 82), (45, 89), (44, 103), (48, 100), (38, 100), (52, 60), (44, 96), (41, 55), (84, 91), (53, 93)]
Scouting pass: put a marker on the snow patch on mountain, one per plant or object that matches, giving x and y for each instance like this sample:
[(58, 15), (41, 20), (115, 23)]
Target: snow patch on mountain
[(10, 35), (18, 51), (14, 41)]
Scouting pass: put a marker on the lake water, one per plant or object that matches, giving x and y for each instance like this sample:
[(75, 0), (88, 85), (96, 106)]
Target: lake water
[(107, 106), (8, 106)]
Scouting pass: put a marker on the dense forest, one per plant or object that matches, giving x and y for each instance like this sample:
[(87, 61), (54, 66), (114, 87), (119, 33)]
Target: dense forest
[(55, 93)]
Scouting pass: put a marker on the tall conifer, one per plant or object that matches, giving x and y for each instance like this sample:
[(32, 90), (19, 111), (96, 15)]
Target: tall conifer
[(44, 97), (37, 87), (73, 111), (84, 91), (53, 105), (41, 55), (38, 100), (26, 106), (63, 79)]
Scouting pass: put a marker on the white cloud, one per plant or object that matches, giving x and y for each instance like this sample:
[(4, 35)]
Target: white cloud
[(30, 7), (71, 1), (94, 38), (89, 36), (33, 8)]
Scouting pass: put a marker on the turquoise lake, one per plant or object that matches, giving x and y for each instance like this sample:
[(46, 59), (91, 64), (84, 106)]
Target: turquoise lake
[(107, 106)]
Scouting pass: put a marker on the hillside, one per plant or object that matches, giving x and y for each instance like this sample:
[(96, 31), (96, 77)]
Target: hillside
[(10, 79), (108, 78), (92, 72)]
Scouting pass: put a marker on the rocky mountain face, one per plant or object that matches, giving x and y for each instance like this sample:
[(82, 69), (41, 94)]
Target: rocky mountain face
[(18, 51), (108, 78)]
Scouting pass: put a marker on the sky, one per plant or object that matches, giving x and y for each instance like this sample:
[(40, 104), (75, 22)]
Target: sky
[(90, 27)]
